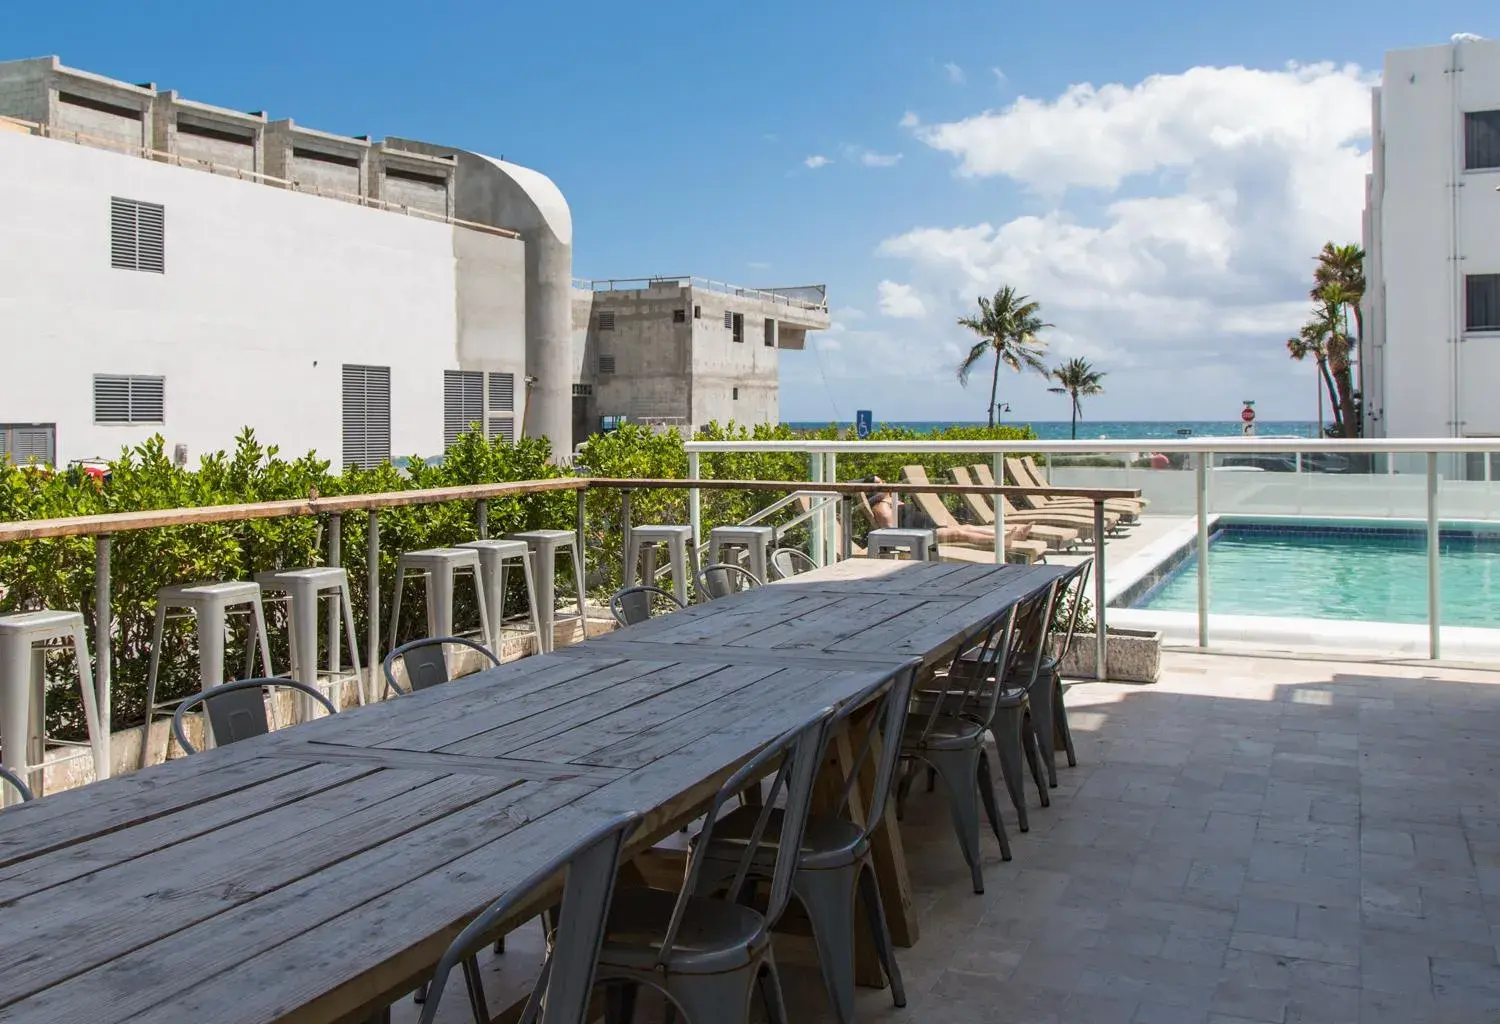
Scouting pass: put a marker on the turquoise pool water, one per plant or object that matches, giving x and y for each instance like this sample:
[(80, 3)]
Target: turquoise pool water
[(1336, 571)]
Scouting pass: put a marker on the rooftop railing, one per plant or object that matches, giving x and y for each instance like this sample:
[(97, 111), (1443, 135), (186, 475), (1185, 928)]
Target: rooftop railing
[(708, 284)]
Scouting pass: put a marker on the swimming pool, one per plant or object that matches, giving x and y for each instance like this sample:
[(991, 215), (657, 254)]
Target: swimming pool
[(1330, 569)]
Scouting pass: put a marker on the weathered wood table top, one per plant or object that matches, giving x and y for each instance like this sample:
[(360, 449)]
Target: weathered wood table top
[(320, 872)]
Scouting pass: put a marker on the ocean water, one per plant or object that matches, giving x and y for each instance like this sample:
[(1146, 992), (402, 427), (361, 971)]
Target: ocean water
[(1060, 430)]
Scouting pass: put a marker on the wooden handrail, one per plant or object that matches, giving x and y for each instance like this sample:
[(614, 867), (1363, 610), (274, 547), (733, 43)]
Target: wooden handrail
[(126, 522)]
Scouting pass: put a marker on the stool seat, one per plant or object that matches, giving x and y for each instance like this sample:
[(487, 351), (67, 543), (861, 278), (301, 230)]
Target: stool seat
[(502, 548), (922, 544), (45, 621), (441, 556), (188, 595), (756, 540), (661, 532), (681, 553), (545, 536), (328, 574)]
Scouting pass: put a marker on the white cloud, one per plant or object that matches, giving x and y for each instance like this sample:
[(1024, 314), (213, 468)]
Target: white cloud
[(870, 158), (955, 73), (909, 120), (758, 265), (1219, 184), (900, 300), (1000, 76), (817, 160)]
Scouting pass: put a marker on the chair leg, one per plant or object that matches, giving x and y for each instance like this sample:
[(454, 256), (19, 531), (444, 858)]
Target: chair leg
[(1033, 748), (710, 998), (157, 627), (1041, 716), (619, 1002), (1007, 732), (769, 982), (960, 773), (1064, 735), (986, 784), (474, 985), (828, 898), (869, 891)]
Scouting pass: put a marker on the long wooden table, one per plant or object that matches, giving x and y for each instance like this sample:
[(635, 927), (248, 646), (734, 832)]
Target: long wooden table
[(317, 874)]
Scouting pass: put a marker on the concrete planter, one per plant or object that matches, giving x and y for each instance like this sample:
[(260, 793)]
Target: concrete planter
[(1131, 656)]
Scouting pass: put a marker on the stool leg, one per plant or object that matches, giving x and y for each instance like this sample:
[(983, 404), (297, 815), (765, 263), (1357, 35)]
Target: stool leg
[(484, 611), (693, 566), (583, 617), (15, 708), (396, 605), (758, 561), (546, 595), (632, 558), (36, 726), (342, 596), (305, 642), (440, 602), (679, 569), (536, 628), (156, 630), (648, 571), (210, 659), (98, 731), (497, 605)]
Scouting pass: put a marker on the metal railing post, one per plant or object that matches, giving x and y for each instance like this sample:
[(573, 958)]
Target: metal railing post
[(627, 571), (997, 468), (695, 500), (846, 535), (1202, 488), (103, 641), (372, 597), (580, 522), (1434, 571), (815, 525), (1101, 649), (482, 514), (335, 620), (829, 515)]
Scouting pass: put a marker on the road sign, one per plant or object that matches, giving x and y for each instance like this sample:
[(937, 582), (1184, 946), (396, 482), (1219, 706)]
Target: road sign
[(863, 422), (1247, 420), (1248, 415)]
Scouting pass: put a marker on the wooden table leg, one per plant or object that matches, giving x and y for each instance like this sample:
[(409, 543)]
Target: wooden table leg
[(890, 860)]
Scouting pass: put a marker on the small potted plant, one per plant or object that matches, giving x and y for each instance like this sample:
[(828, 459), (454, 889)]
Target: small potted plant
[(1131, 655)]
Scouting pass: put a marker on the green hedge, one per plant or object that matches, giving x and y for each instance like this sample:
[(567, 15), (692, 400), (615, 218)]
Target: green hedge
[(59, 573)]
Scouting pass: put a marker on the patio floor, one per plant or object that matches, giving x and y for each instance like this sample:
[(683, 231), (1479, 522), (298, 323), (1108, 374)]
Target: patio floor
[(1250, 840)]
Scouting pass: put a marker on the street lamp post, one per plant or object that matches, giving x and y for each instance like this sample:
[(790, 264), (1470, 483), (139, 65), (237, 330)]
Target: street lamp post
[(1001, 408)]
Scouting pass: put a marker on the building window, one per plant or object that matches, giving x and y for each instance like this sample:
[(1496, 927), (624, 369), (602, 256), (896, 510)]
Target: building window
[(502, 392), (697, 312), (463, 403), (607, 320), (1484, 302), (583, 390), (770, 333), (137, 235), (735, 394), (728, 320), (1482, 140), (679, 316), (502, 427), (606, 364), (736, 323), (26, 442), (367, 415), (123, 399)]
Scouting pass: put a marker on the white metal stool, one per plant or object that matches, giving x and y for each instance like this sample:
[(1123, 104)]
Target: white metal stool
[(495, 557), (644, 540), (756, 540), (301, 589), (545, 546), (439, 567), (209, 605), (25, 640), (920, 545)]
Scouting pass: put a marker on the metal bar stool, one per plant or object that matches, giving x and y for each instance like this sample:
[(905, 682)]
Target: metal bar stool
[(757, 542), (495, 557), (644, 540), (438, 567), (545, 546), (920, 545), (208, 604), (301, 589), (25, 640)]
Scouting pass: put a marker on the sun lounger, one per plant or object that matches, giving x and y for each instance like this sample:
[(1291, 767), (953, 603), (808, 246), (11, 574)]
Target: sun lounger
[(933, 508), (1026, 472), (1058, 536), (1080, 519)]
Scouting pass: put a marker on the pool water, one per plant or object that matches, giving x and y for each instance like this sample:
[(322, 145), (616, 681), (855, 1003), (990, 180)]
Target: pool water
[(1344, 571)]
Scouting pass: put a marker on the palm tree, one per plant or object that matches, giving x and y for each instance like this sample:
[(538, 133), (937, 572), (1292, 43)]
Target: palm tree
[(1007, 326), (1312, 340), (1332, 315), (1339, 285), (1079, 379)]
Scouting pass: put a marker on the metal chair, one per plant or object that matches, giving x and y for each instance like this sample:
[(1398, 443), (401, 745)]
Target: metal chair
[(721, 580), (789, 562), (16, 782), (561, 993), (835, 872), (1044, 682), (637, 604), (709, 956), (237, 711), (951, 742), (426, 662)]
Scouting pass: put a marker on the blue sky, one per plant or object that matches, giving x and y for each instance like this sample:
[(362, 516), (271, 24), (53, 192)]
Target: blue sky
[(1163, 217)]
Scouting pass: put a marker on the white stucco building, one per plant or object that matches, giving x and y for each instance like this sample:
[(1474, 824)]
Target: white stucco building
[(1431, 350)]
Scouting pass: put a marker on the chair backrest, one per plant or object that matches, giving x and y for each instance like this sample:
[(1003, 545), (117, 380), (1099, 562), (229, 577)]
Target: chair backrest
[(789, 562), (426, 662), (16, 782), (886, 724), (1078, 579), (1025, 474), (722, 579), (637, 604), (972, 679), (561, 994), (930, 504), (237, 711), (794, 758), (983, 511)]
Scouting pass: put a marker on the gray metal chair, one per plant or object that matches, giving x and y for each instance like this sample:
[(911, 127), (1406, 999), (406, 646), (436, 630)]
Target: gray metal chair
[(237, 711), (835, 872), (1044, 682), (561, 993), (722, 579), (949, 739), (630, 605), (789, 562), (426, 662), (709, 956), (16, 782)]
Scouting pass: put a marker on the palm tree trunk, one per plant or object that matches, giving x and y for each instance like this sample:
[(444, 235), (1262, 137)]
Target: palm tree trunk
[(1333, 397), (1075, 417), (994, 386)]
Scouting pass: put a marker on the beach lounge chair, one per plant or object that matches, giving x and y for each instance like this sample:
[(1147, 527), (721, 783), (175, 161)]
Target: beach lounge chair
[(1057, 506), (1016, 542), (1059, 536), (1080, 519), (1026, 473)]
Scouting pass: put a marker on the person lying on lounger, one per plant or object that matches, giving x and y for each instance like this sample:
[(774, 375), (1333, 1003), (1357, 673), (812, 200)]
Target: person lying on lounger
[(886, 509)]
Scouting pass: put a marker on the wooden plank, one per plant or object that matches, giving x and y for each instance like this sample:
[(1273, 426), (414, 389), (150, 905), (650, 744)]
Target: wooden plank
[(456, 764), (678, 653)]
